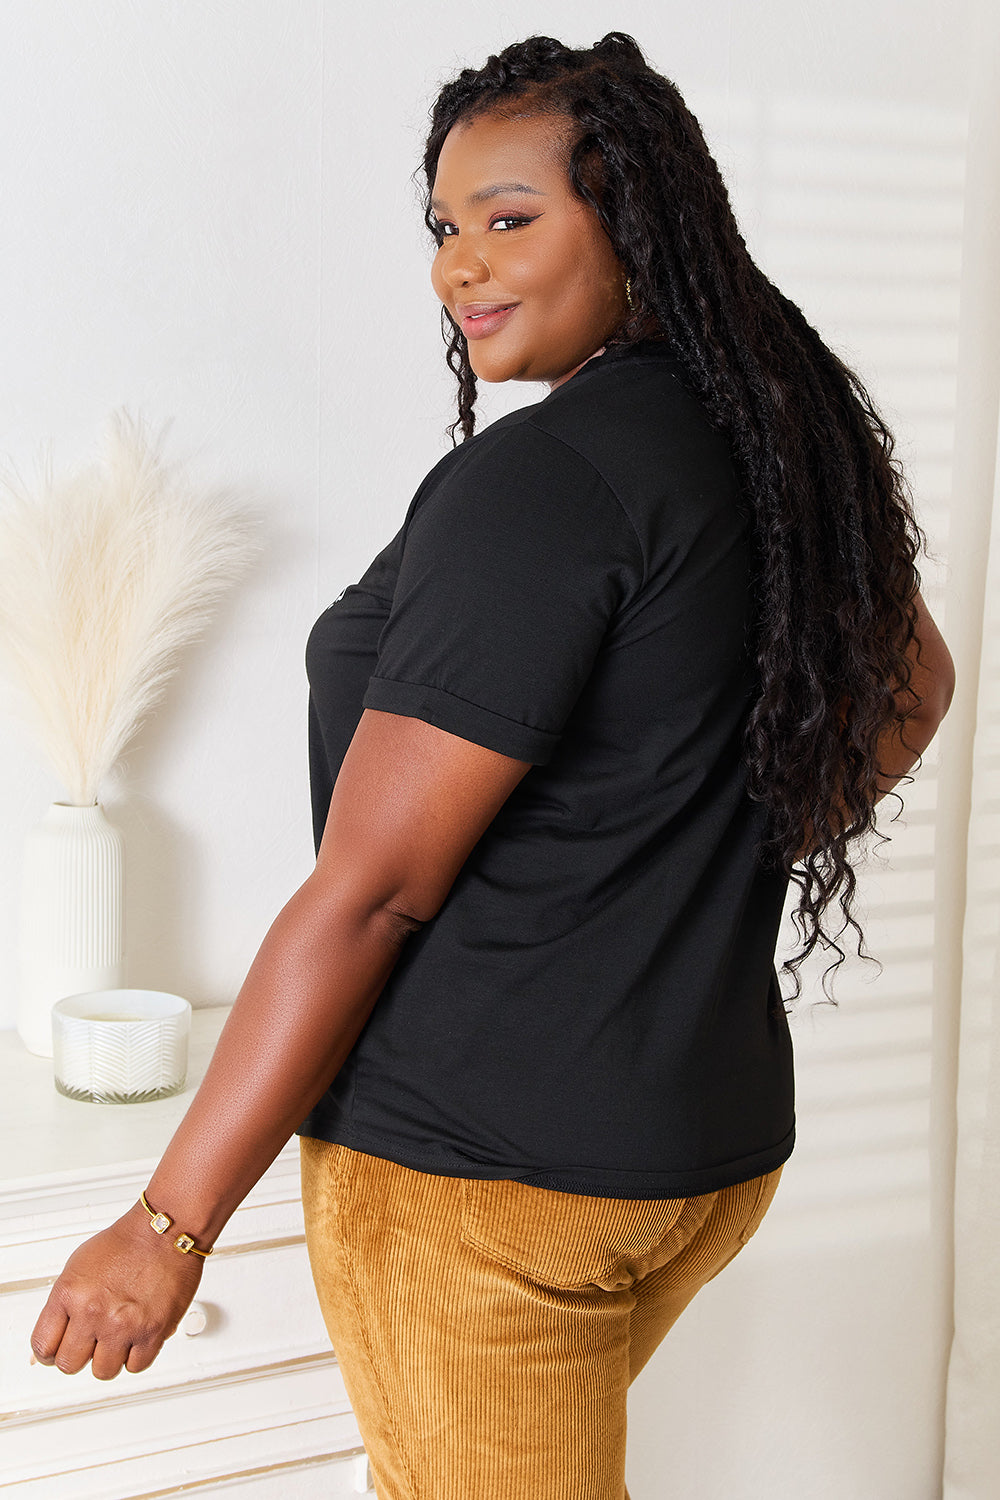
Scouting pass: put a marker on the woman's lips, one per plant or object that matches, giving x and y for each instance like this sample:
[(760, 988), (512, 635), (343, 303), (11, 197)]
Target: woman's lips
[(478, 327)]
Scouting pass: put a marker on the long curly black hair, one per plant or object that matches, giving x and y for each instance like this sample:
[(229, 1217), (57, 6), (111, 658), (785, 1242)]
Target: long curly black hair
[(833, 536)]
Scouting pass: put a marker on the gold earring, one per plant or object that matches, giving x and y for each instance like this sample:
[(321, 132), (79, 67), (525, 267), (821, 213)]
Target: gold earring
[(628, 294)]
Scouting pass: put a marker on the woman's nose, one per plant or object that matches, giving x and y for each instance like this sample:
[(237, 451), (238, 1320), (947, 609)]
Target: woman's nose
[(463, 265)]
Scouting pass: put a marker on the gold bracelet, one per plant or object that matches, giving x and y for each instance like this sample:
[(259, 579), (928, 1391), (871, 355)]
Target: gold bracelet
[(160, 1223)]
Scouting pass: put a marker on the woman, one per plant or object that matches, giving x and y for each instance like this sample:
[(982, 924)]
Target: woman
[(641, 653)]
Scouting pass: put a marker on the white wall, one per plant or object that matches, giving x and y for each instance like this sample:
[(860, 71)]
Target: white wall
[(208, 215)]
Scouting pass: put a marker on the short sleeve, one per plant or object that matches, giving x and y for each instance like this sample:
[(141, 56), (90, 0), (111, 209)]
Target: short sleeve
[(513, 566)]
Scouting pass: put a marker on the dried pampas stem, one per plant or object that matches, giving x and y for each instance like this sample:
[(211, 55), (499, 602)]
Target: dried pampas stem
[(105, 577)]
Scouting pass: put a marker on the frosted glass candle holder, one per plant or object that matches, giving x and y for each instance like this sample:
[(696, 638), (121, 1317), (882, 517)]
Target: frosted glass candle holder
[(120, 1046)]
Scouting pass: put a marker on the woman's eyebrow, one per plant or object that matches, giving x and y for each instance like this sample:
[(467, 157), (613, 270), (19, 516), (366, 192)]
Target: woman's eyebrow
[(493, 191)]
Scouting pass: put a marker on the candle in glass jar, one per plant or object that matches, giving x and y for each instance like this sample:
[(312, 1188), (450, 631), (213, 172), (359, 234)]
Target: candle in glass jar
[(120, 1046)]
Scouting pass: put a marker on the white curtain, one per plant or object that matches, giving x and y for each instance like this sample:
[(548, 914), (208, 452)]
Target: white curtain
[(972, 1464), (972, 1452)]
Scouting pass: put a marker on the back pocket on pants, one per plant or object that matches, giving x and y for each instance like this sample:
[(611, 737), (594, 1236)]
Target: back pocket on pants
[(571, 1240)]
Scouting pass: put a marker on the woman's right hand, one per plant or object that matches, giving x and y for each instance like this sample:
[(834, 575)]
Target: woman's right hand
[(120, 1295)]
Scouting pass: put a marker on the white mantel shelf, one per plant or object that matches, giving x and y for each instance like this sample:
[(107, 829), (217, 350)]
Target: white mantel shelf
[(246, 1399)]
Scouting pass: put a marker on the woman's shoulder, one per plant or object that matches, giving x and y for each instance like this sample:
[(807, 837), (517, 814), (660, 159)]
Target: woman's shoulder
[(632, 415), (630, 390), (625, 431), (516, 451)]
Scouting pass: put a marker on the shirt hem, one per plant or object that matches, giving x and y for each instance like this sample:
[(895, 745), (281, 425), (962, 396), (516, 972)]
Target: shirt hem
[(597, 1182)]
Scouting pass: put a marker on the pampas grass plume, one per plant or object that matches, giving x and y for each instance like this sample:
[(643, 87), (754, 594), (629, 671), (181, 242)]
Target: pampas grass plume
[(106, 576)]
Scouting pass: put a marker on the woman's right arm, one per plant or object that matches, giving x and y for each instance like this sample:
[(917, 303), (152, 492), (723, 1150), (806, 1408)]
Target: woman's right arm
[(932, 678), (410, 803)]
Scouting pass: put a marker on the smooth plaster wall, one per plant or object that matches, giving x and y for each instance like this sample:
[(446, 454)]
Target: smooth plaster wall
[(208, 216)]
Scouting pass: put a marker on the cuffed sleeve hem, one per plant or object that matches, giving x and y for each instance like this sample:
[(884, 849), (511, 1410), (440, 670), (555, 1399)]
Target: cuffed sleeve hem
[(468, 720)]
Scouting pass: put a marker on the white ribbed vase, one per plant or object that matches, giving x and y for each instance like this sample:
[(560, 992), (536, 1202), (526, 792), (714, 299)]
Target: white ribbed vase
[(71, 916)]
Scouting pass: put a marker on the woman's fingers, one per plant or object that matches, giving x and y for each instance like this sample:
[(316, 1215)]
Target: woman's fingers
[(57, 1339), (48, 1331), (107, 1359), (141, 1356), (75, 1352), (75, 1330), (103, 1339)]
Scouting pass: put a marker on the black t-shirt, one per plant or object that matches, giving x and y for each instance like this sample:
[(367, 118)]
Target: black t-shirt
[(595, 1007)]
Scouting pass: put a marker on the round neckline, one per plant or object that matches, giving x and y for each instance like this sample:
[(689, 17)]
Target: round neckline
[(637, 347), (612, 353)]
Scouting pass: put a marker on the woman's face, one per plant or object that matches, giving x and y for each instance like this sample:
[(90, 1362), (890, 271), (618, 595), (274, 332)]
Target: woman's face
[(513, 235)]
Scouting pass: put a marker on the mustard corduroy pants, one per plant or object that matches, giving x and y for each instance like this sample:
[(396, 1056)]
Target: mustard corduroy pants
[(487, 1332)]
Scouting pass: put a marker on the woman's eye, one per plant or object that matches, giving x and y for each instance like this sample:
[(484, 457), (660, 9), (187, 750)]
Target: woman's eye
[(443, 229)]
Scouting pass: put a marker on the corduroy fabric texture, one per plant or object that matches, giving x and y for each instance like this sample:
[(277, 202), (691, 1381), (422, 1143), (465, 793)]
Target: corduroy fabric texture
[(487, 1331)]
